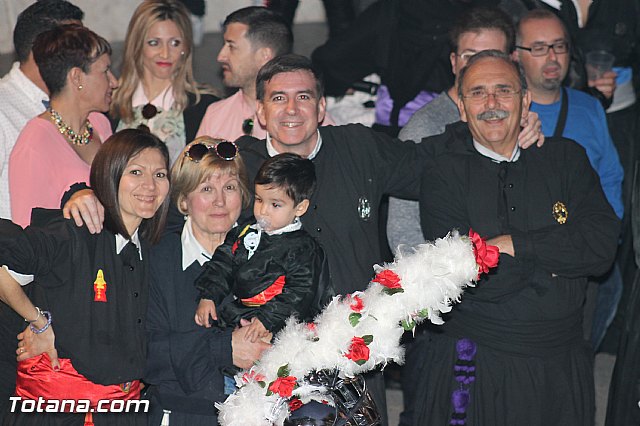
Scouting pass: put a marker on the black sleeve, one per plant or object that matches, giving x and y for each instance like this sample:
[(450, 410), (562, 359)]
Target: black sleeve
[(78, 186), (216, 280), (586, 244), (38, 250)]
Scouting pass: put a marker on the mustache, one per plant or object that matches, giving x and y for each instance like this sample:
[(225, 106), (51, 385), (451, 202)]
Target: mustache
[(493, 114), (554, 63)]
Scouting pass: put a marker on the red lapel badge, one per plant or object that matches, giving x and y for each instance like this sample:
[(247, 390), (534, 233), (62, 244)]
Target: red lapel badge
[(100, 288)]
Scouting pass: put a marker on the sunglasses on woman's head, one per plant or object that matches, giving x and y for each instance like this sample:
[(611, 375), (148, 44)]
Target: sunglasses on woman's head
[(224, 149)]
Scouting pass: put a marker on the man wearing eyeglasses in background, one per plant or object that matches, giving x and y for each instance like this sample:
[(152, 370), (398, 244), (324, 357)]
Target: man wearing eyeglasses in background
[(543, 54), (512, 353)]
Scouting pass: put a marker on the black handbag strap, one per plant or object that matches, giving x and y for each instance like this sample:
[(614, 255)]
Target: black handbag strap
[(562, 118)]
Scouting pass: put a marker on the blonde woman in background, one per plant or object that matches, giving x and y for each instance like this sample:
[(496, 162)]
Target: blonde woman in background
[(157, 89)]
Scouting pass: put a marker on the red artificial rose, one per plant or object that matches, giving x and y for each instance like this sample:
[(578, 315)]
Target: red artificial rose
[(283, 386), (356, 304), (311, 326), (294, 404), (358, 351), (388, 278), (486, 255)]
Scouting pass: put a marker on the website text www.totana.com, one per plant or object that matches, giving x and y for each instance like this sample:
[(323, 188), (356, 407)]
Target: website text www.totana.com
[(41, 405)]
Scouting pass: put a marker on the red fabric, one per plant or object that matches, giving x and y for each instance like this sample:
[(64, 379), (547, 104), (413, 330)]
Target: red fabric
[(264, 296), (36, 378), (487, 256)]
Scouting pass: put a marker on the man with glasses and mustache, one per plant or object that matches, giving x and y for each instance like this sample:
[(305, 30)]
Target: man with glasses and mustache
[(478, 29), (543, 54), (512, 353)]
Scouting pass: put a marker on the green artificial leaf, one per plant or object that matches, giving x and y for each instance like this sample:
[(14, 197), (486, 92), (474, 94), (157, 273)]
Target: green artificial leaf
[(367, 339), (354, 318), (408, 325), (392, 291), (283, 371)]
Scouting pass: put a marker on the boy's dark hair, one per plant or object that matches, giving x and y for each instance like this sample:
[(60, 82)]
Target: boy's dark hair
[(291, 172), (41, 16), (478, 19), (283, 64), (266, 28)]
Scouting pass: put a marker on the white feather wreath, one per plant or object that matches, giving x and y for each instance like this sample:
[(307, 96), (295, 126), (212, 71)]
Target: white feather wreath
[(357, 332)]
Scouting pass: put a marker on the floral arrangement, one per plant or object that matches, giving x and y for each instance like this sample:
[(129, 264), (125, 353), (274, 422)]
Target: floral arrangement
[(359, 331)]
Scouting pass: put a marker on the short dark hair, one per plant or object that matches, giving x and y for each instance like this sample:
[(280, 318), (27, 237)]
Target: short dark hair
[(58, 50), (478, 19), (41, 16), (287, 63), (266, 28), (539, 14), (294, 174), (492, 54), (107, 169)]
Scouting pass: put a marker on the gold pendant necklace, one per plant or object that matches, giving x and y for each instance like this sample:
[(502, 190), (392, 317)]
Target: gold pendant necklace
[(66, 131)]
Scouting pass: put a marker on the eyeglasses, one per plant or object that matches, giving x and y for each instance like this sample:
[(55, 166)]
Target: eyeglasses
[(148, 112), (465, 56), (501, 93), (559, 48), (247, 126), (224, 149)]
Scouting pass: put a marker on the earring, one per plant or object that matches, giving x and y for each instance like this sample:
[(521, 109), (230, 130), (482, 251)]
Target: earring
[(79, 86), (182, 53)]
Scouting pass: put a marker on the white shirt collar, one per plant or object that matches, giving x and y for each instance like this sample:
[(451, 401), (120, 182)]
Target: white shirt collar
[(192, 250), (164, 100), (272, 151), (556, 4), (122, 241), (294, 226), (483, 150)]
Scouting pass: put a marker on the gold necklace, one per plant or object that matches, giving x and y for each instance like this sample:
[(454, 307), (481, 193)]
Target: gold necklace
[(66, 131)]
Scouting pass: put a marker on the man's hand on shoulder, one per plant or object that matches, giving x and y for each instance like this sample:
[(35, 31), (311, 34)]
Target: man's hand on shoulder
[(84, 208), (531, 132), (504, 244)]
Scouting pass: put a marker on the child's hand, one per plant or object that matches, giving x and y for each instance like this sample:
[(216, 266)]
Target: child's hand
[(256, 331), (206, 309)]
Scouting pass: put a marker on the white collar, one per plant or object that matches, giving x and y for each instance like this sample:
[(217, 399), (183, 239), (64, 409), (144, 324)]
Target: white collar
[(164, 100), (294, 226), (272, 151), (556, 4), (192, 250), (483, 150), (122, 241)]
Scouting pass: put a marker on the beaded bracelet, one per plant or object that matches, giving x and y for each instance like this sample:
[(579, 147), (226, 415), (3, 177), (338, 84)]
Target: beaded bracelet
[(48, 316), (34, 320)]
